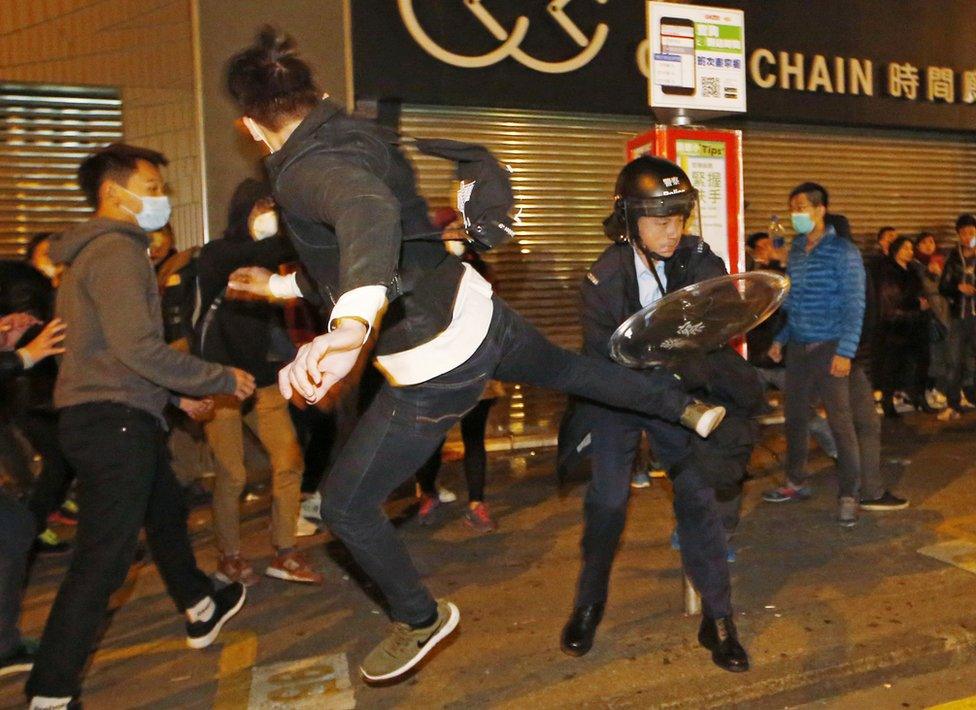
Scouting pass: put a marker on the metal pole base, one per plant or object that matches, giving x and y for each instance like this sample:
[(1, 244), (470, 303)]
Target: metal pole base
[(692, 600)]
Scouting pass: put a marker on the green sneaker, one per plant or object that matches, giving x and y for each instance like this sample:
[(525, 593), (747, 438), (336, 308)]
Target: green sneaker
[(405, 647)]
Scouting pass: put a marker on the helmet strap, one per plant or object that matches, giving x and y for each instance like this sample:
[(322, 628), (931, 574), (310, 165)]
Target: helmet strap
[(651, 258)]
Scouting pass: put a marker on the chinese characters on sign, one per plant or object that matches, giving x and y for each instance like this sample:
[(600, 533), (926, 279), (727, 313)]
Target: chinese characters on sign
[(705, 163), (696, 57)]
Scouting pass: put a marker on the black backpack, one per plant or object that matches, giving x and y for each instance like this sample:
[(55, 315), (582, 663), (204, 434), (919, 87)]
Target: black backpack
[(485, 200)]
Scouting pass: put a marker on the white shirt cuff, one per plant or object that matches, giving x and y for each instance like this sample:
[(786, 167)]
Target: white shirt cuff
[(284, 287), (363, 303), (25, 359)]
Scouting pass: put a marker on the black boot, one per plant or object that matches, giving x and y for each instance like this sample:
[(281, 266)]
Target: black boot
[(578, 633), (720, 637)]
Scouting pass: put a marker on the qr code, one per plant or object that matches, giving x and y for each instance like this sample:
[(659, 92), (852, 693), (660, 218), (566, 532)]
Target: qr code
[(711, 87)]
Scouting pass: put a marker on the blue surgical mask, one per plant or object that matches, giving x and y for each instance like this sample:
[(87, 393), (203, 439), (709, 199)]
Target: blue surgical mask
[(802, 222), (155, 211)]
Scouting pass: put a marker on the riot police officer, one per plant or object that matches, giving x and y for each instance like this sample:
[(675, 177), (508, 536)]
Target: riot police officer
[(651, 256)]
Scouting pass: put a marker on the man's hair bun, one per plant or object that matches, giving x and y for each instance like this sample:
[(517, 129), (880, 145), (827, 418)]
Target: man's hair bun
[(268, 80)]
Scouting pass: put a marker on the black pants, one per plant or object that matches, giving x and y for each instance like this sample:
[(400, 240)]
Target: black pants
[(16, 534), (475, 459), (905, 363), (615, 438), (404, 425), (124, 483)]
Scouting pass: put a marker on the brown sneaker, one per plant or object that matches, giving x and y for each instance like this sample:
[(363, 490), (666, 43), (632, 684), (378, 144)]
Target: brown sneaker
[(293, 567), (234, 568), (405, 646), (702, 418)]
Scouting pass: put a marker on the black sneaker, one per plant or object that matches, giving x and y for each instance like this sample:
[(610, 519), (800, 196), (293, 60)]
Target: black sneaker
[(228, 601), (21, 660), (888, 501)]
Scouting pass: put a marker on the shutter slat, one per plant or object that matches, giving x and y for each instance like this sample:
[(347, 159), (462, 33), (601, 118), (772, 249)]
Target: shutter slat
[(45, 133)]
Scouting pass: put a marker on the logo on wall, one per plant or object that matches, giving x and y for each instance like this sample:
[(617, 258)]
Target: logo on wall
[(510, 41)]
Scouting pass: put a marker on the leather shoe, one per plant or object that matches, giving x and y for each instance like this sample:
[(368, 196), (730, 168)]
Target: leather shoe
[(579, 631), (720, 637)]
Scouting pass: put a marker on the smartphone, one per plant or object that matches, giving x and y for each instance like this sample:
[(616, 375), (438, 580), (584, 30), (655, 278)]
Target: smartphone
[(675, 64)]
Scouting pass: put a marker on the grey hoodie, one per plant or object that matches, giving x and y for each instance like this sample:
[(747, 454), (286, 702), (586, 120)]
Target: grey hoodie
[(114, 346)]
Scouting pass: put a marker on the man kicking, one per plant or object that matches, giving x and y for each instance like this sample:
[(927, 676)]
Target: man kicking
[(349, 200)]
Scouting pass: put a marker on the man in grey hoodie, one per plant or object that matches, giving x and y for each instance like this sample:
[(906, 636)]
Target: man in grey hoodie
[(116, 377)]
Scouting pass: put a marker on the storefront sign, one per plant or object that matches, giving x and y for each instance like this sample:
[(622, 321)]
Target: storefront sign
[(698, 59), (851, 62)]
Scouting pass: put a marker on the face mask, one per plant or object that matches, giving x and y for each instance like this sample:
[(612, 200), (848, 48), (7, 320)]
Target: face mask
[(48, 269), (457, 248), (155, 211), (802, 222), (265, 225), (971, 243), (256, 133)]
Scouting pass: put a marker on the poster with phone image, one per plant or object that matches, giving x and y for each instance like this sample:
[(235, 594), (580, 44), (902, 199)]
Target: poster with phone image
[(697, 57)]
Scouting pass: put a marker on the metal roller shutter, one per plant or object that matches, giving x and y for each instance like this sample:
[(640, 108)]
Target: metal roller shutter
[(564, 168), (913, 181), (45, 132)]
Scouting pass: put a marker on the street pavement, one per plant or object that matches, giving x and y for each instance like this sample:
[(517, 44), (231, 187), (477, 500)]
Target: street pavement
[(826, 613)]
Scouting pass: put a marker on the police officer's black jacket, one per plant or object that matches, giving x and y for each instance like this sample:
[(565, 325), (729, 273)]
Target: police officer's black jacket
[(610, 295), (348, 197)]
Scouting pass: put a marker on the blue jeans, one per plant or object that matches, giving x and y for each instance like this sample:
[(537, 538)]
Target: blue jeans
[(616, 436), (16, 535), (404, 425)]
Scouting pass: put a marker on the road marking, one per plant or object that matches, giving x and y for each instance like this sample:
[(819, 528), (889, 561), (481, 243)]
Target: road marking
[(963, 704), (319, 682), (961, 553), (238, 656)]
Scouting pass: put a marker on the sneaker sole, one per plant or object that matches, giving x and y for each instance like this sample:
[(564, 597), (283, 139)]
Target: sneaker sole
[(709, 422), (204, 641), (446, 629), (16, 668), (784, 500), (281, 574)]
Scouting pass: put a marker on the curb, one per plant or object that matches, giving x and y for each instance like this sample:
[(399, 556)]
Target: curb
[(794, 682)]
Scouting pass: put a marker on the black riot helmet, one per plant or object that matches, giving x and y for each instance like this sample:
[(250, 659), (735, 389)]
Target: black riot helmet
[(648, 187)]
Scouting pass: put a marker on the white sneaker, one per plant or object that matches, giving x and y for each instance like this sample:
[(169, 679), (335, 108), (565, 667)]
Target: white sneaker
[(39, 702), (965, 403), (305, 527), (935, 399), (947, 414), (312, 507), (940, 397), (446, 495)]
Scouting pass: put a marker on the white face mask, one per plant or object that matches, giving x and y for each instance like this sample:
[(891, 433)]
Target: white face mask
[(256, 133), (456, 247), (265, 225), (155, 211)]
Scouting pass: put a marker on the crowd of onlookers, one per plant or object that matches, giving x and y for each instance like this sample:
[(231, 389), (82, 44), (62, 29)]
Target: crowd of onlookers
[(919, 328)]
